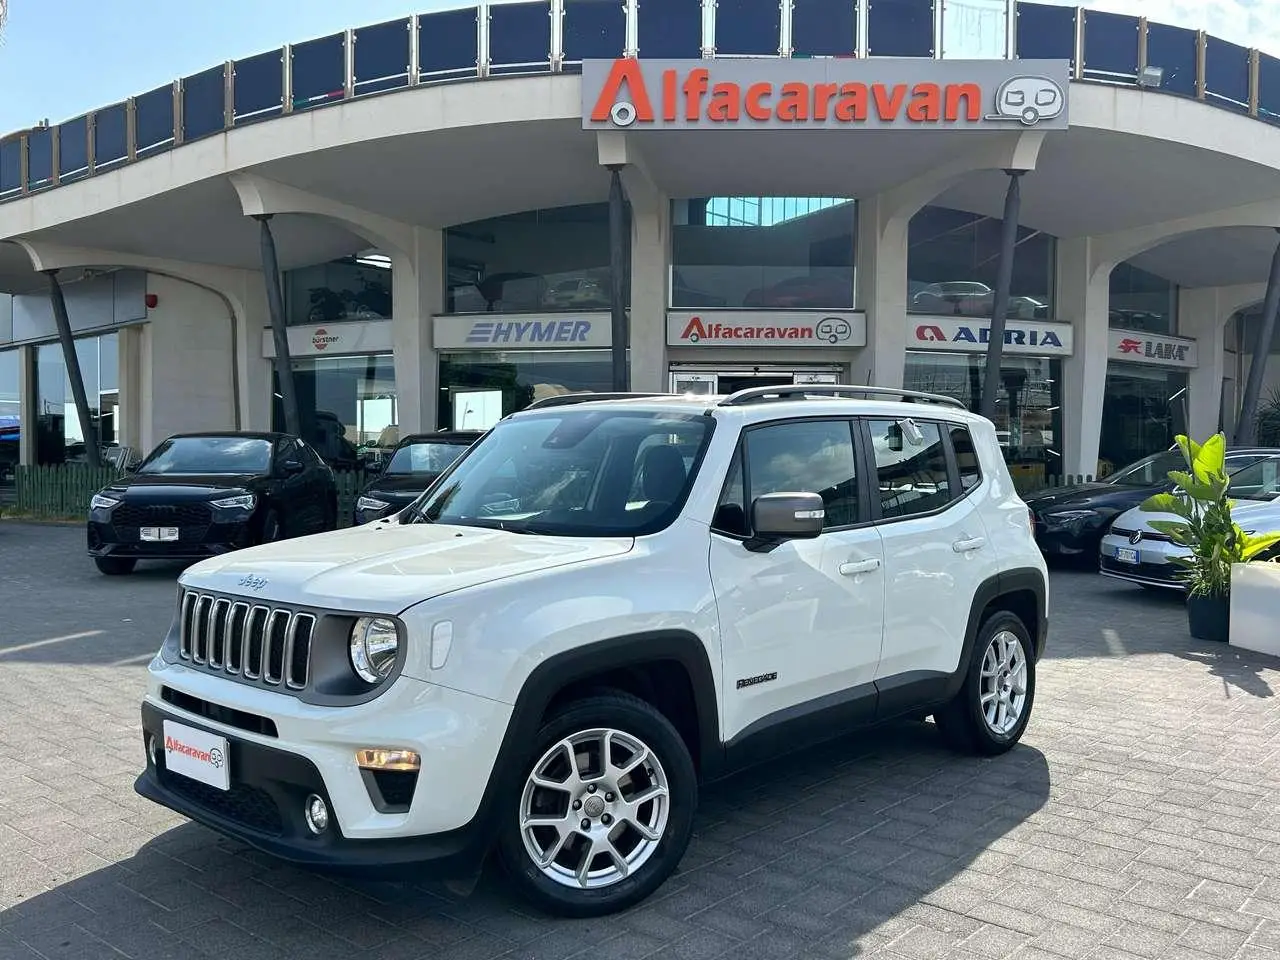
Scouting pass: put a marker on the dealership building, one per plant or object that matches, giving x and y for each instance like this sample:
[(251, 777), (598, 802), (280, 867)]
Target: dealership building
[(813, 194)]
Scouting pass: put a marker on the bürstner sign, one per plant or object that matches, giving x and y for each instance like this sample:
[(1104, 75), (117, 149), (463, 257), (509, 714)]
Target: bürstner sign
[(774, 93), (766, 328)]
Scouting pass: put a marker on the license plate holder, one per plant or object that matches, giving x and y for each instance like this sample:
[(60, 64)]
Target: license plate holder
[(158, 534), (1126, 555), (201, 756)]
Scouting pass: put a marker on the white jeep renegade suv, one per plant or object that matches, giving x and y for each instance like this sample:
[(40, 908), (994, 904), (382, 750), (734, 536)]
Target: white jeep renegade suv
[(606, 601)]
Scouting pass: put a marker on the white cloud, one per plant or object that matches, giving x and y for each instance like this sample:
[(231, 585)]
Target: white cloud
[(1250, 23)]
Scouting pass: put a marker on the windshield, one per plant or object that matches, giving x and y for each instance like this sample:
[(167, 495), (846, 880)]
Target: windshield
[(573, 473), (209, 455), (1259, 481), (1151, 471), (425, 457)]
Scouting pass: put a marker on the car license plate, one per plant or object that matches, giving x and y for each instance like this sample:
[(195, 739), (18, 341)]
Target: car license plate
[(1126, 555), (196, 754), (160, 534)]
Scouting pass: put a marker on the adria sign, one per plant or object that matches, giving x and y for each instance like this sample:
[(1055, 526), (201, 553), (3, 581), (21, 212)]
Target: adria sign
[(777, 93), (944, 333), (1133, 346)]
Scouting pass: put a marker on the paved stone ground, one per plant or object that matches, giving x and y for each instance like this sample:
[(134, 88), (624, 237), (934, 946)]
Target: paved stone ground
[(1137, 820)]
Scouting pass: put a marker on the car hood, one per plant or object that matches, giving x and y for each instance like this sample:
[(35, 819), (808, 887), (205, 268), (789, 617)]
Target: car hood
[(385, 567), (1080, 496), (1257, 515), (152, 488)]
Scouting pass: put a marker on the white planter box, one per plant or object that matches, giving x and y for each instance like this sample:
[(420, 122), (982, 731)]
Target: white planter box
[(1255, 607)]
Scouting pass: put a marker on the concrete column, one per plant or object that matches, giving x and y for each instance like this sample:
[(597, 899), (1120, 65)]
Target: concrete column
[(27, 410), (1083, 298), (881, 281), (417, 295), (132, 399), (650, 259), (1200, 315)]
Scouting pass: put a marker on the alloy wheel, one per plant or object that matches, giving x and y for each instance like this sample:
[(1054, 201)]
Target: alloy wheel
[(1003, 683)]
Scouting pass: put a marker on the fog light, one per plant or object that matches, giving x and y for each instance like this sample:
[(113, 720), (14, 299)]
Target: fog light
[(317, 815), (381, 758)]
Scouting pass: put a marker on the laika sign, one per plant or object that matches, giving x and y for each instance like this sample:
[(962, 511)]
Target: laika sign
[(899, 94)]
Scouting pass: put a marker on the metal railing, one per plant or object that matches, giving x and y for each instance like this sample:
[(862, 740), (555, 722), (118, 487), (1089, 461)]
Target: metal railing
[(555, 36)]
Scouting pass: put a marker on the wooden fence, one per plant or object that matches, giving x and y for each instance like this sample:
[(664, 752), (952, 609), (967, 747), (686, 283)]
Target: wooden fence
[(62, 491)]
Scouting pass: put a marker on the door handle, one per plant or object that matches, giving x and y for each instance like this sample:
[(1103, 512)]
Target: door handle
[(964, 546), (855, 567)]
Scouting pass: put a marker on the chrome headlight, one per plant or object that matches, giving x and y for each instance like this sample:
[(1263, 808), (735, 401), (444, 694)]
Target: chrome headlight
[(375, 643), (102, 502), (245, 502), (371, 503)]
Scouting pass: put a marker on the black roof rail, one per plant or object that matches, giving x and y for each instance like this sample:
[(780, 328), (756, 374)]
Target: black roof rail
[(803, 391), (568, 398)]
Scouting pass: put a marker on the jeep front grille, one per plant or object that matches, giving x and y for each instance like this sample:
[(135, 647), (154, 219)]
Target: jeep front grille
[(258, 643)]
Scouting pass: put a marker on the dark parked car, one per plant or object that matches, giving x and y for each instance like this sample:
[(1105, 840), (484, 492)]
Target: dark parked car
[(201, 494), (1071, 521), (414, 465)]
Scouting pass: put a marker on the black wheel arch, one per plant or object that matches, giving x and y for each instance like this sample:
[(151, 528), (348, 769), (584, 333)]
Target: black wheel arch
[(1022, 591)]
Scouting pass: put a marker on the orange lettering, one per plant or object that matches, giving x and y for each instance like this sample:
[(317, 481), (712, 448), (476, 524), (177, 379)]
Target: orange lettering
[(967, 94), (793, 105), (695, 85), (726, 99), (623, 72), (889, 104), (926, 103), (822, 94), (852, 105), (669, 96), (757, 97)]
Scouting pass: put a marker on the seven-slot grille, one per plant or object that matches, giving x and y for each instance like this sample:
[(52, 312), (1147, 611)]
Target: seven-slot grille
[(269, 645)]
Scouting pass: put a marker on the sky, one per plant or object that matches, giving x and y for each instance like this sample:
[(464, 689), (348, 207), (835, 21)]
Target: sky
[(60, 58)]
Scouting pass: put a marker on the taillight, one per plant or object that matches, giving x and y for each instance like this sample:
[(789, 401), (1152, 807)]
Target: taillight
[(1031, 521)]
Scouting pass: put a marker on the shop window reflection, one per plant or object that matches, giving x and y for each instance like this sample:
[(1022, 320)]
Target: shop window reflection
[(952, 260), (59, 438), (10, 415), (540, 261), (349, 289), (1028, 416), (348, 407), (1142, 301), (478, 389), (763, 252), (1143, 410)]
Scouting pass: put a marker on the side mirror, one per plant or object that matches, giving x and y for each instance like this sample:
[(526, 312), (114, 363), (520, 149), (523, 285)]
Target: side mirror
[(373, 467), (292, 467), (777, 517)]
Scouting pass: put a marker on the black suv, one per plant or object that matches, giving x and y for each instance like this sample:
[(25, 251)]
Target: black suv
[(414, 465), (201, 494)]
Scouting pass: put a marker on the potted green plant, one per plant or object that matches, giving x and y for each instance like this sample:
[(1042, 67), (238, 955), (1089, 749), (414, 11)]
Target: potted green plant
[(1204, 526)]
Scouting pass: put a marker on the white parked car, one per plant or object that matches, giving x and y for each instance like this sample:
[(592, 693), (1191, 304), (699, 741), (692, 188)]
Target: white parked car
[(601, 605), (1135, 551)]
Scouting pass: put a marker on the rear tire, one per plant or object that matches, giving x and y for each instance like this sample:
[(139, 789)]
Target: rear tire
[(990, 712), (610, 864), (115, 566)]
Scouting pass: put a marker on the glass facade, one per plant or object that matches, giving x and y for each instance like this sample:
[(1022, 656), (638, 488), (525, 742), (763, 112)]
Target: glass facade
[(478, 389), (1028, 410), (952, 260), (1142, 301), (347, 406), (1143, 409), (766, 252), (10, 414), (541, 261), (353, 288), (59, 438), (975, 29)]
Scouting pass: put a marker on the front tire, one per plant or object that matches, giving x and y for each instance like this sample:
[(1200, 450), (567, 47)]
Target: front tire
[(604, 808), (990, 712), (115, 566)]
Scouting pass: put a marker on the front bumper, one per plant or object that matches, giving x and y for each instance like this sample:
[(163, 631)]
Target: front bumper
[(1148, 564), (282, 750), (1070, 539), (193, 543), (264, 809)]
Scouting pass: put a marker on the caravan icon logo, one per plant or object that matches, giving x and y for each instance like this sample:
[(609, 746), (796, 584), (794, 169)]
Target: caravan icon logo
[(1028, 100)]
